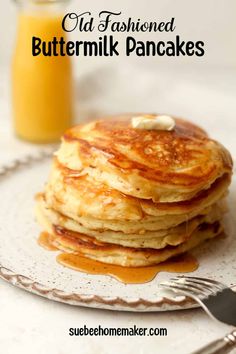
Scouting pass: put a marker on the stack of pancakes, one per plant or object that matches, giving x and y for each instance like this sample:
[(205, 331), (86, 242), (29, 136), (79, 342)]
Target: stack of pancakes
[(134, 197)]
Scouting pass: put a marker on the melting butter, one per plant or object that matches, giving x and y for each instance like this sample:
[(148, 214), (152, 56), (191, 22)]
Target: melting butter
[(153, 122)]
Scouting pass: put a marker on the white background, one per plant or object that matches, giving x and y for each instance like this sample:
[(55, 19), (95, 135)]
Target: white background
[(201, 89)]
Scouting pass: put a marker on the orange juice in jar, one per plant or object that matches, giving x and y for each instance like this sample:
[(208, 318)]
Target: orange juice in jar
[(41, 85)]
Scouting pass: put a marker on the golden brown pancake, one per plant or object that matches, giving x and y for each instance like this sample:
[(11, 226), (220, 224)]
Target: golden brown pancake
[(134, 197), (165, 166), (81, 244), (159, 239), (79, 197)]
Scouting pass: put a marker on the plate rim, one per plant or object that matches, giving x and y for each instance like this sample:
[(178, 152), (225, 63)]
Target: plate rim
[(28, 284)]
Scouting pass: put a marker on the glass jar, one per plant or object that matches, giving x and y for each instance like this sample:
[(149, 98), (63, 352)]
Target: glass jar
[(42, 94)]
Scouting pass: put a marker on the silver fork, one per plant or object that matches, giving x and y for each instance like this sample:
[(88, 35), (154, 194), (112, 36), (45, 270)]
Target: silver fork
[(219, 302)]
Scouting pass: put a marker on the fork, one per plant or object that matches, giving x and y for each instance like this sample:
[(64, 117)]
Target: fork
[(219, 302)]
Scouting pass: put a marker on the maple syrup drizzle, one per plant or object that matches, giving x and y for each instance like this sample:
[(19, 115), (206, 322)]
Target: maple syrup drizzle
[(138, 275), (129, 275), (45, 241)]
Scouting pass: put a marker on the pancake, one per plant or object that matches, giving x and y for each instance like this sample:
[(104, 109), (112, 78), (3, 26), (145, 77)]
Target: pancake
[(165, 166), (128, 256), (78, 197), (48, 218), (133, 196)]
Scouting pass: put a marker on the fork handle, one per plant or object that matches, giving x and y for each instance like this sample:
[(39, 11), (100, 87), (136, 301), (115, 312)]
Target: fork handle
[(220, 346)]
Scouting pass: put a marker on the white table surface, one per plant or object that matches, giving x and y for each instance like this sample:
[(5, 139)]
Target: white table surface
[(30, 324)]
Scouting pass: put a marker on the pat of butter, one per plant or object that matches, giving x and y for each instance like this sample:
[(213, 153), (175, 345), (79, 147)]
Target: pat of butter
[(152, 122)]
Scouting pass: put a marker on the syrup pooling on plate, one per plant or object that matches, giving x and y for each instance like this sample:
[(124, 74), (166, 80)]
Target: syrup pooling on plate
[(129, 275)]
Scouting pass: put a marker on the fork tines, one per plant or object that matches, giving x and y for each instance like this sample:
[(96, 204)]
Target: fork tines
[(218, 300), (194, 285)]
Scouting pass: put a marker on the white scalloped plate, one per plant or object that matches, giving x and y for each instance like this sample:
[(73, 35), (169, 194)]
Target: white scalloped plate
[(26, 265)]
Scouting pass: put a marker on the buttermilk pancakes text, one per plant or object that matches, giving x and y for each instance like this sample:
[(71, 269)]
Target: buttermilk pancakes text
[(107, 45)]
